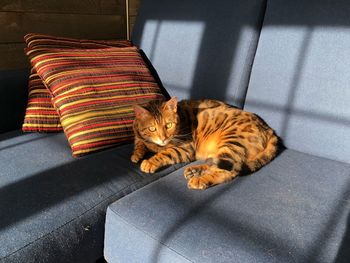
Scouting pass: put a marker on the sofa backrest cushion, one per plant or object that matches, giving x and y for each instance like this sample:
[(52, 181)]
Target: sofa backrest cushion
[(301, 75), (201, 49)]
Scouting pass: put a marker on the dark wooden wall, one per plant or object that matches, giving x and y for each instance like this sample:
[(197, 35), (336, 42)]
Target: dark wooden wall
[(133, 10), (93, 19)]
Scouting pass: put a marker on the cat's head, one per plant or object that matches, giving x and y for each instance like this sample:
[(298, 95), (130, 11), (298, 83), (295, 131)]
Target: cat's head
[(157, 122)]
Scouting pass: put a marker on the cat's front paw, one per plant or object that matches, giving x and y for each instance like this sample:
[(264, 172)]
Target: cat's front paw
[(135, 158), (148, 167)]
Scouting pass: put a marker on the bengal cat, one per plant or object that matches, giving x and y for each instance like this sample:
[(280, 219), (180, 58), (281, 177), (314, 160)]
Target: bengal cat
[(227, 138)]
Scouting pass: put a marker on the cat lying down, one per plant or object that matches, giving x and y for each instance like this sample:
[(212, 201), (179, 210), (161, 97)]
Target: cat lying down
[(227, 138)]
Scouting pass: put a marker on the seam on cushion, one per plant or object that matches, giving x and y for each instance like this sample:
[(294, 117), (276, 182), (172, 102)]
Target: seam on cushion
[(147, 234), (87, 211)]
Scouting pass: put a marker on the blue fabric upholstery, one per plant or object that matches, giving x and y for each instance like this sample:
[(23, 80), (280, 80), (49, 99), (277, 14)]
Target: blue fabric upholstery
[(201, 49), (13, 98), (295, 209), (300, 76), (52, 206)]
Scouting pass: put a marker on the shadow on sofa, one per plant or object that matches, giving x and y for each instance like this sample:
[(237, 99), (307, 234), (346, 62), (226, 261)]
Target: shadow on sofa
[(273, 215), (53, 205), (235, 226), (344, 253)]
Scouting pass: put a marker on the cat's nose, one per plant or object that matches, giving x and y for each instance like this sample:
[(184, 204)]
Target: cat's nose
[(161, 143), (163, 140)]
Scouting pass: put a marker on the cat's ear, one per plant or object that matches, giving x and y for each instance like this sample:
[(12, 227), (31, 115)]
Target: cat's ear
[(139, 111), (171, 104)]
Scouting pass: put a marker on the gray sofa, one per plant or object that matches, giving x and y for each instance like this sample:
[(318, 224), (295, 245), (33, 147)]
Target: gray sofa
[(288, 61)]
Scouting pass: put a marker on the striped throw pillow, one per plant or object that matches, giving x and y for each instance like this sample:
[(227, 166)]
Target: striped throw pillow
[(40, 114), (93, 91)]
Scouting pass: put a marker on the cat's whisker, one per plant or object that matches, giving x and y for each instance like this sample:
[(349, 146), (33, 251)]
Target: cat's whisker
[(174, 140)]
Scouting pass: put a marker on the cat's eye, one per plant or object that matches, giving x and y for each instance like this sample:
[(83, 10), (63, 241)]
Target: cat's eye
[(152, 128), (169, 125)]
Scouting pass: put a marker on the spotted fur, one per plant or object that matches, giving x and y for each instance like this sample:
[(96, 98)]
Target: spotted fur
[(227, 138)]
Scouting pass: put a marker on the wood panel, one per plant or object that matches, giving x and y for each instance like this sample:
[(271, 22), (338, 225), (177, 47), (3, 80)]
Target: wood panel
[(133, 10), (132, 23), (15, 25), (12, 56), (133, 7), (89, 19), (106, 7)]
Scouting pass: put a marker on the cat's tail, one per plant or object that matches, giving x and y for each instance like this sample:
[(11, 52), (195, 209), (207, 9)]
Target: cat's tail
[(266, 155)]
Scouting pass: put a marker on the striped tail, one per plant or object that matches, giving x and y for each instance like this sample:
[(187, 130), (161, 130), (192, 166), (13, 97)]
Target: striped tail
[(266, 155)]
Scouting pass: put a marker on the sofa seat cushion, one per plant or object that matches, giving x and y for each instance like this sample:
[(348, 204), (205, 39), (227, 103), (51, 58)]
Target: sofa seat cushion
[(295, 209), (52, 205)]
